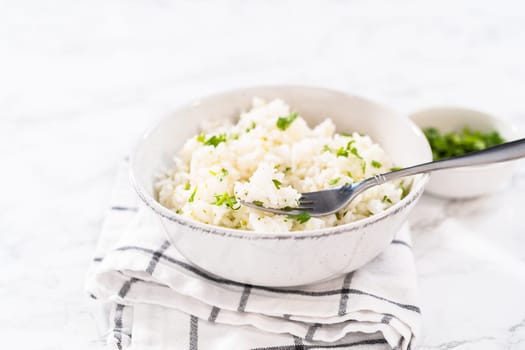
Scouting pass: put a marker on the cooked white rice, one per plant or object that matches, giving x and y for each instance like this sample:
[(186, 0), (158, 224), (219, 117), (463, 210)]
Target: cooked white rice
[(270, 156)]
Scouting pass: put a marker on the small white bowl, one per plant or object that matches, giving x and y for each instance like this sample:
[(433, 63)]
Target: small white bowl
[(294, 258), (472, 181)]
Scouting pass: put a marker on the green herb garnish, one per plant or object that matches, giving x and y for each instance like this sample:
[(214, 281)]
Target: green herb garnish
[(284, 122), (334, 181), (228, 200), (346, 134), (386, 199), (213, 173), (201, 137), (277, 183), (342, 152), (404, 190), (326, 148), (349, 174), (354, 151), (187, 186), (376, 164), (251, 127), (258, 203), (192, 196), (301, 217), (213, 141), (445, 145), (395, 168)]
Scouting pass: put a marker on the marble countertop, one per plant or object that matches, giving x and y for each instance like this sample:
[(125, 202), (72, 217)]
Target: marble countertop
[(80, 81)]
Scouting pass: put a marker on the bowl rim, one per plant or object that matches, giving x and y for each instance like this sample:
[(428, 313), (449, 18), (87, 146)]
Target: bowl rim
[(416, 191), (510, 127)]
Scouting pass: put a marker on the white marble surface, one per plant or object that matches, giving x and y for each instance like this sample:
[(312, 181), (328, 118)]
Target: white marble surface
[(79, 82)]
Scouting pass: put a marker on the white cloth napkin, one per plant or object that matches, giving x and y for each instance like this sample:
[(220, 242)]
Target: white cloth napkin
[(158, 300)]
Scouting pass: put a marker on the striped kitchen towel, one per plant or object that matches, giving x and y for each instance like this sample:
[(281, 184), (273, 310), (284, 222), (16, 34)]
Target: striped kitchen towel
[(158, 300)]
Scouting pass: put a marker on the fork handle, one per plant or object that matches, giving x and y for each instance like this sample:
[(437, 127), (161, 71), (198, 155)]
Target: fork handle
[(501, 153)]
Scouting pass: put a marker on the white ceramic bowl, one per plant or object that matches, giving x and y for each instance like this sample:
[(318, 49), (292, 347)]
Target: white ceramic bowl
[(282, 259), (473, 181)]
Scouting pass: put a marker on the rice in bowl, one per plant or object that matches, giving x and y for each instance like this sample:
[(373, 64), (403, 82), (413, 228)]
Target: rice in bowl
[(269, 156)]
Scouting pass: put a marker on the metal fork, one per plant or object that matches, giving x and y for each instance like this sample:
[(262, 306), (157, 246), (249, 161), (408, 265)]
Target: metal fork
[(325, 202)]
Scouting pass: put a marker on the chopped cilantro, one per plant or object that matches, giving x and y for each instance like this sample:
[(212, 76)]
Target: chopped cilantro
[(404, 190), (354, 151), (224, 172), (201, 137), (349, 174), (334, 181), (258, 203), (228, 200), (376, 164), (363, 166), (301, 217), (386, 199), (251, 127), (215, 140), (284, 122), (213, 173), (395, 168), (445, 145), (187, 186), (277, 183), (287, 169), (326, 148), (192, 197), (349, 144), (346, 134), (342, 152)]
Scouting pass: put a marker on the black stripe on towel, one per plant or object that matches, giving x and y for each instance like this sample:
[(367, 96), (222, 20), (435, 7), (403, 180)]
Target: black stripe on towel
[(156, 257), (311, 331), (126, 286), (213, 314), (194, 332), (386, 319), (397, 241), (399, 344), (344, 296), (122, 208), (328, 346), (117, 330), (298, 343), (244, 298), (272, 289)]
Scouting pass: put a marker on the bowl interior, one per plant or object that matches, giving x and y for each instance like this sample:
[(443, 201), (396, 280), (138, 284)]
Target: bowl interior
[(401, 139), (449, 119)]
